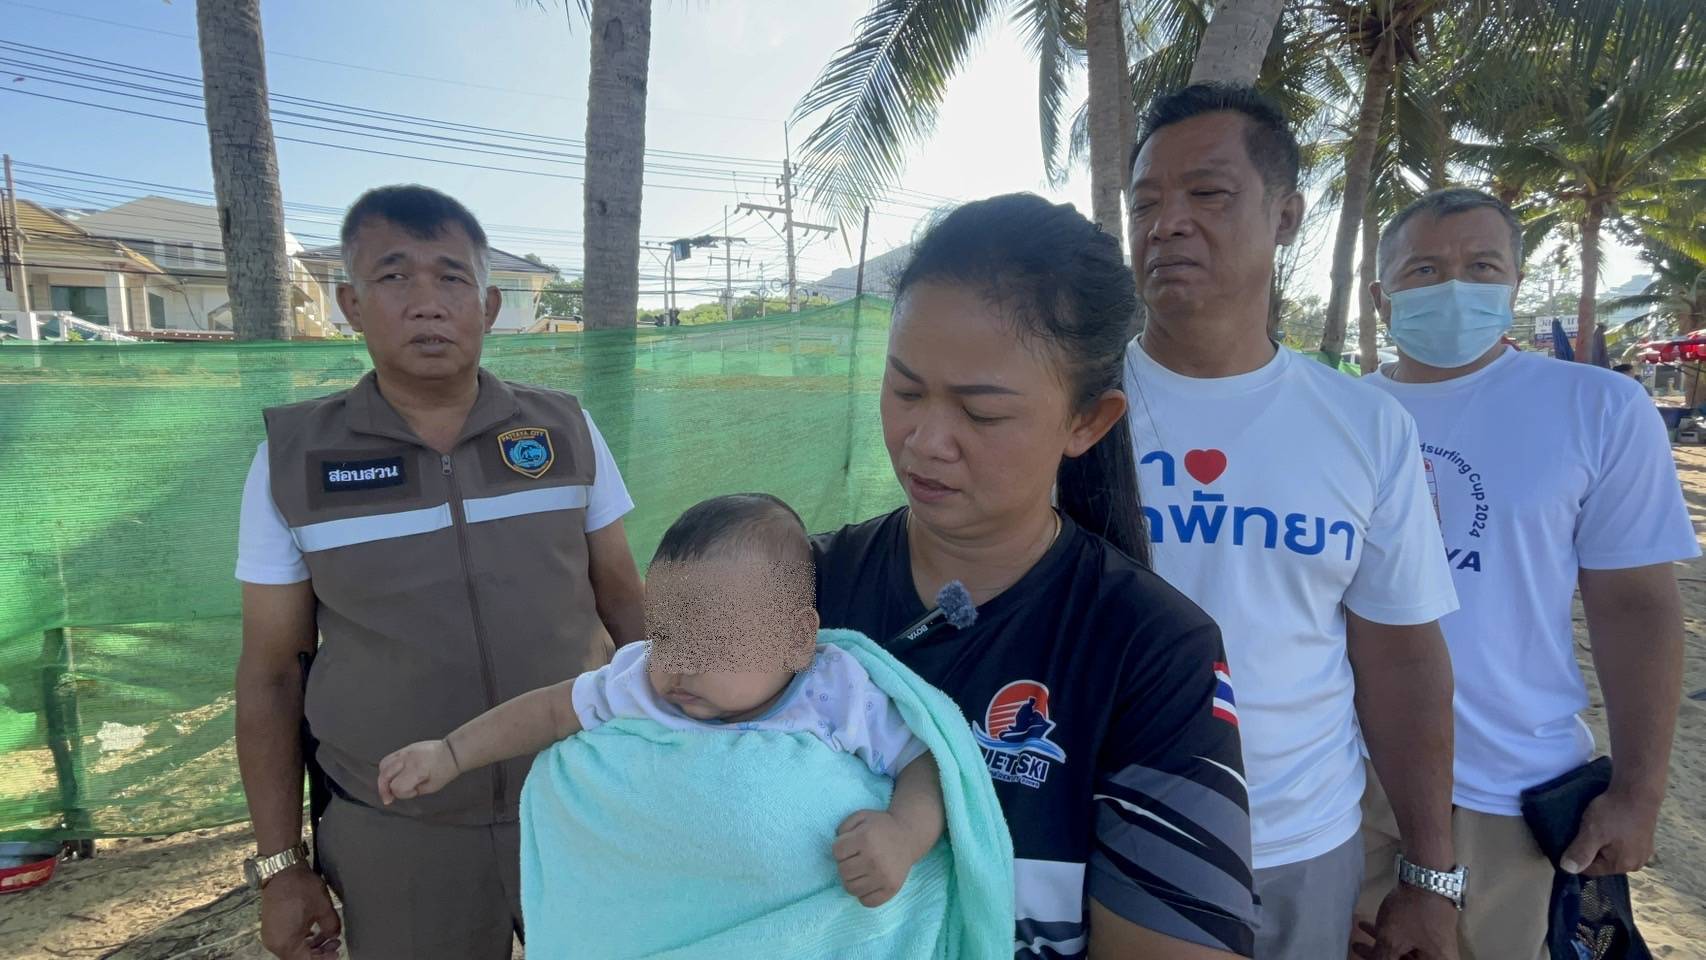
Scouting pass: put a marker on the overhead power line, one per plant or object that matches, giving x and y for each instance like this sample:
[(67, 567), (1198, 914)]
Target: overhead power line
[(273, 52), (122, 75)]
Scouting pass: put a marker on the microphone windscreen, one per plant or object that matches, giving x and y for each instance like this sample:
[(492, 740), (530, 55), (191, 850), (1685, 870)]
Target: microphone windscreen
[(955, 603)]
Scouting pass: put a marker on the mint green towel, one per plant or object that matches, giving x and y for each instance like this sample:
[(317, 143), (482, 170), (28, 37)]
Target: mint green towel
[(639, 841)]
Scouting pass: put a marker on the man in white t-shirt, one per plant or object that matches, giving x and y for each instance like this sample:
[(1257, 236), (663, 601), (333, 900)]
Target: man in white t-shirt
[(1287, 500), (1545, 476), (435, 541)]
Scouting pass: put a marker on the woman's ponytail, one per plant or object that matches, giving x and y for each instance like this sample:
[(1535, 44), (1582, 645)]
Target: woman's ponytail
[(1098, 490)]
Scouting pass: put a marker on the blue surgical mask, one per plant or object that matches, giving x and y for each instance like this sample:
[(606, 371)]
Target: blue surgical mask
[(1450, 324)]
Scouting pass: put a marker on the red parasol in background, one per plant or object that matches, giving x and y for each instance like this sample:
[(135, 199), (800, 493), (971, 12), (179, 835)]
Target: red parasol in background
[(1686, 348)]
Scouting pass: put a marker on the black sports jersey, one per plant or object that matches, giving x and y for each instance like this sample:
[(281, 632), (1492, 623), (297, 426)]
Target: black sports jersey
[(1100, 697)]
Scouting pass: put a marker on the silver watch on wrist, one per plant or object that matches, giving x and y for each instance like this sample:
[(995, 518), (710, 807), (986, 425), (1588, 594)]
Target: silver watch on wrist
[(258, 870), (1448, 884)]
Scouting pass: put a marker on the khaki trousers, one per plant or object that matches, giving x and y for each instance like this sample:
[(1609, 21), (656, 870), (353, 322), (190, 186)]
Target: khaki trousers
[(421, 891), (1509, 884)]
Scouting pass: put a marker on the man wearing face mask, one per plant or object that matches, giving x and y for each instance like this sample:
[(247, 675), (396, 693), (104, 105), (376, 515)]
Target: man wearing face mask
[(1545, 476)]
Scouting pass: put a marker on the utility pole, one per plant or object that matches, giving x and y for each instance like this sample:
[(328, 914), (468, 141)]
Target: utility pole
[(728, 288), (789, 224), (668, 264), (728, 270), (682, 249), (788, 208), (859, 278), (15, 236)]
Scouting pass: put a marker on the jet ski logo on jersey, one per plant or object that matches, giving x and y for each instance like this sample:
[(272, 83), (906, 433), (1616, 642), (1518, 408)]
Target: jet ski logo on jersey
[(1015, 732)]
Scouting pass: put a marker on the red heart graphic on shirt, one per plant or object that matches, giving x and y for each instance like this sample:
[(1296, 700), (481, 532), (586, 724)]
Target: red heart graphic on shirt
[(1205, 465)]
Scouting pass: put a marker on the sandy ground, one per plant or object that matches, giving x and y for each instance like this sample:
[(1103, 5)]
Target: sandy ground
[(179, 897), (1670, 895)]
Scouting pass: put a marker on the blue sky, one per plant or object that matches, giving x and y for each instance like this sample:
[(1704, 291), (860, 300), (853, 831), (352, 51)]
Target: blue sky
[(724, 76)]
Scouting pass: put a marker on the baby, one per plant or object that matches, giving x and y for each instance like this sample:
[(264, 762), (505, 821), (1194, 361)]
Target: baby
[(732, 646)]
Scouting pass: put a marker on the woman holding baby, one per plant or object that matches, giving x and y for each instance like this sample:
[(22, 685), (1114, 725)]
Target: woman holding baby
[(1097, 695), (1090, 683)]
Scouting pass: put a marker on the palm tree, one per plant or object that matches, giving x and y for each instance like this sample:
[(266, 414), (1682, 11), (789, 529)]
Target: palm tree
[(245, 168), (1235, 41), (615, 159), (1618, 127), (1676, 294), (1385, 34), (880, 93), (1112, 116), (615, 173), (1676, 298), (1414, 153)]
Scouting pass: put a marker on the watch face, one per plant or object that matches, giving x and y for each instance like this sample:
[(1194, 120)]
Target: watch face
[(250, 873)]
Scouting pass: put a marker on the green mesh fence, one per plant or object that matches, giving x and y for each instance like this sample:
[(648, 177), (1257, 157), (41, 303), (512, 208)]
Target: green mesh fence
[(121, 468)]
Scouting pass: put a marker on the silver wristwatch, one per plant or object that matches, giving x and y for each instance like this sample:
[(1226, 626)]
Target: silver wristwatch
[(258, 870), (1449, 885)]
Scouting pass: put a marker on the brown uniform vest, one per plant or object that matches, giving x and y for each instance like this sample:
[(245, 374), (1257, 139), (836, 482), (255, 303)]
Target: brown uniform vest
[(447, 584)]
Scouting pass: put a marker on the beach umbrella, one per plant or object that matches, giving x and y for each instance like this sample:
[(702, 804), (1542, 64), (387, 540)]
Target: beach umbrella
[(1560, 343)]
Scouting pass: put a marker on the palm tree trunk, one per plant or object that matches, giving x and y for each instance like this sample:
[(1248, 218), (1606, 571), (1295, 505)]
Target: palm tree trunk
[(1586, 310), (1367, 318), (1439, 171), (1112, 114), (615, 172), (245, 168), (615, 160), (1235, 41), (1357, 169)]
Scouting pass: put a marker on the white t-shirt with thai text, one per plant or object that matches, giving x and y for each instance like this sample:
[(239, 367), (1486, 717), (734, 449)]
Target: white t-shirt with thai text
[(1277, 499), (1537, 469)]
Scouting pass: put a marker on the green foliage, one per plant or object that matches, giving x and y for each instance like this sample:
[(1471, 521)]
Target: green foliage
[(1301, 321), (1610, 130), (562, 298), (746, 308), (879, 95), (703, 313), (1552, 286)]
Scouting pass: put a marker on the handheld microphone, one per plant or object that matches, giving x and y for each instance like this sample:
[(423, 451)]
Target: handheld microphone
[(953, 609)]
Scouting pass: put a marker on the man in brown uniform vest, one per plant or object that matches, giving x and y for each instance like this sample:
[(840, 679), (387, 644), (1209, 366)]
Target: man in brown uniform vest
[(454, 541)]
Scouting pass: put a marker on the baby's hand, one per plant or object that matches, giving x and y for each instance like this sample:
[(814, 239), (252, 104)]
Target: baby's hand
[(874, 852), (416, 770)]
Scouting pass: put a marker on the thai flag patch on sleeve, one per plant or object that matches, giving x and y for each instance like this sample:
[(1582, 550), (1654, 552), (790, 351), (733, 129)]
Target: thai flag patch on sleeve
[(1225, 707)]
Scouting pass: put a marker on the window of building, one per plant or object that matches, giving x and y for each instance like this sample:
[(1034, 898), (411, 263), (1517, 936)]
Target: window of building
[(88, 303), (156, 311), (516, 297)]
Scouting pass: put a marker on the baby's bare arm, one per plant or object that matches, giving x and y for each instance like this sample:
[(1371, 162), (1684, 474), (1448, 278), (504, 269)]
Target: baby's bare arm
[(874, 850), (523, 726), (917, 803), (516, 728)]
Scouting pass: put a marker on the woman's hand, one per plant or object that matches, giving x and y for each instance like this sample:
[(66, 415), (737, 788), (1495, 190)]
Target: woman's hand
[(416, 770), (874, 851)]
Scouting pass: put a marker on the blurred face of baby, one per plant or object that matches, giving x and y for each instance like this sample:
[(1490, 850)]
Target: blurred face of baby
[(727, 634)]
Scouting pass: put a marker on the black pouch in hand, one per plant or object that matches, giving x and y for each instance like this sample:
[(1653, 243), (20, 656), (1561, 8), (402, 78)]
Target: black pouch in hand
[(318, 794), (1590, 918)]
